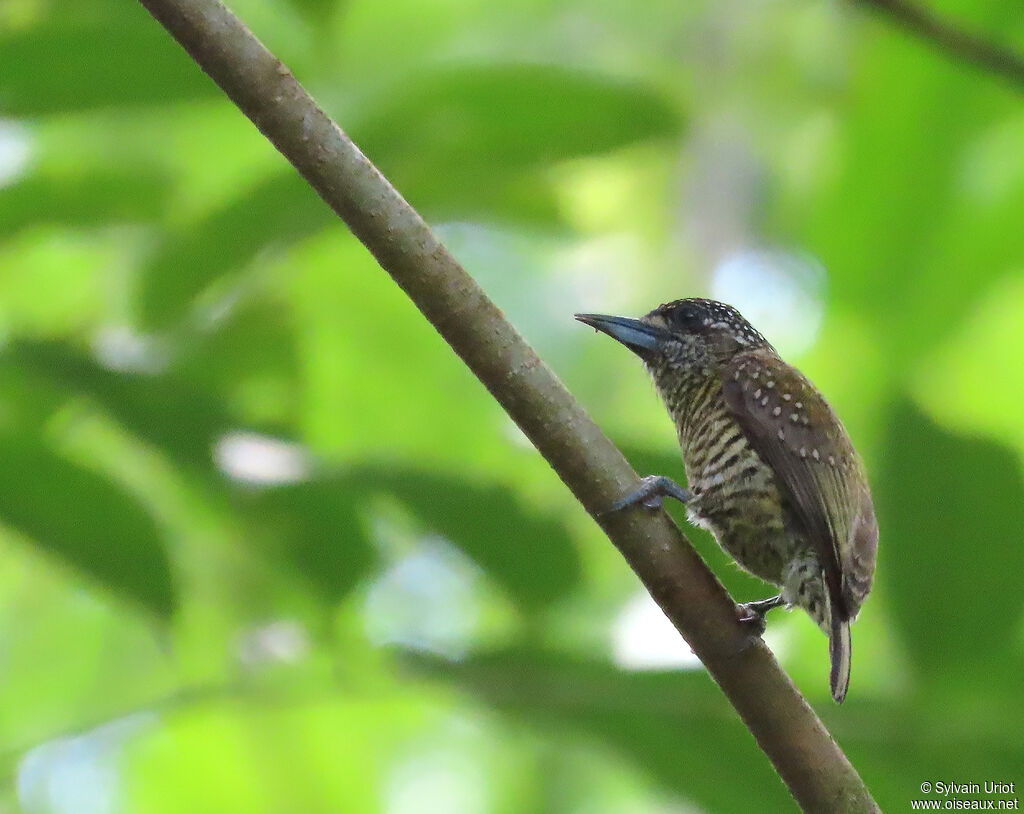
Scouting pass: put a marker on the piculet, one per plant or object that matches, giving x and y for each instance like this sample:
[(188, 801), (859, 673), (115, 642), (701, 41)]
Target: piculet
[(771, 471)]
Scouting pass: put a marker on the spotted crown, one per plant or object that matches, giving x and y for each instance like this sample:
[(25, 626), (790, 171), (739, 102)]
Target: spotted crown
[(696, 315)]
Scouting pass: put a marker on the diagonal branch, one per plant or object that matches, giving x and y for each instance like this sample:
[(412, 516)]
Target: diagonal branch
[(958, 45), (785, 726)]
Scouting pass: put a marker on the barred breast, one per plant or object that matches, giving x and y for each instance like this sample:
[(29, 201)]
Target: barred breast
[(735, 494)]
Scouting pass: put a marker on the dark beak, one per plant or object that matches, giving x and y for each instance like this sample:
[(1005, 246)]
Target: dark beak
[(638, 336)]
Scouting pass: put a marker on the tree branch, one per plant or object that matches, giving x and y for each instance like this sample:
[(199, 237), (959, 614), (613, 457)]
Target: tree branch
[(787, 729), (955, 44)]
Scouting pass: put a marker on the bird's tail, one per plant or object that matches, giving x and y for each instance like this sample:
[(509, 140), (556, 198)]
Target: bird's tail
[(839, 648)]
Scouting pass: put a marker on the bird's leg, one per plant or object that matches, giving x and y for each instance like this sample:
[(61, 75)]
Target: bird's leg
[(753, 613), (655, 487)]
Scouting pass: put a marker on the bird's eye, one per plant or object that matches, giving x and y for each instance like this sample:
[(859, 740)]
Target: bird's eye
[(689, 317)]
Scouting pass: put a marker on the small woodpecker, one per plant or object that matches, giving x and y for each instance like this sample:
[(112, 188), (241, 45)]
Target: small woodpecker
[(771, 470)]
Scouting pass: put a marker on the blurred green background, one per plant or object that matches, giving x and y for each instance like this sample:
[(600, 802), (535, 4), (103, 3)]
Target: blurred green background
[(268, 547)]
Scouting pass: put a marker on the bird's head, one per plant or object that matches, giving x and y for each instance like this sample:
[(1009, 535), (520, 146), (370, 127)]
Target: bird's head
[(682, 334)]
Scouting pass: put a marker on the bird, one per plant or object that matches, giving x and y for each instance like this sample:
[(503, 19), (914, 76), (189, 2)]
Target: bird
[(770, 468)]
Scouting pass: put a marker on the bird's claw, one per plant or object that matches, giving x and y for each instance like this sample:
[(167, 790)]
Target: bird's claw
[(754, 613), (749, 617), (652, 502), (651, 494)]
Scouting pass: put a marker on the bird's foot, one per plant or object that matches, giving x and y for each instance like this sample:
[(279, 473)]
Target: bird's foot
[(655, 488), (753, 613)]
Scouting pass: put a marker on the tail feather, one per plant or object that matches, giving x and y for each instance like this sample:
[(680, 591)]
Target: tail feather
[(839, 648)]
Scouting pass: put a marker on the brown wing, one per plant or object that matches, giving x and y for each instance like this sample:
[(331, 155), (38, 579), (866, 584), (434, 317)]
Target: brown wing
[(796, 433)]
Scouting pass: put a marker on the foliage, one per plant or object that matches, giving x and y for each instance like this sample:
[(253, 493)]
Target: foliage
[(269, 547)]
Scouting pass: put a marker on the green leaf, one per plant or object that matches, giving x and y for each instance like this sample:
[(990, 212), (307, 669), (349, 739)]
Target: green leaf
[(506, 124), (250, 362), (84, 519), (528, 553), (486, 129), (90, 198), (951, 510), (679, 728), (113, 61), (314, 527), (675, 725), (162, 409), (318, 528), (898, 230), (269, 753), (318, 12), (275, 214), (519, 115)]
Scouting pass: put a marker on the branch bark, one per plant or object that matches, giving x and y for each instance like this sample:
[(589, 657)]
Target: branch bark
[(787, 729), (956, 44)]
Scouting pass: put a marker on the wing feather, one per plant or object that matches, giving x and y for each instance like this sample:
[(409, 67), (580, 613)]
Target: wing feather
[(794, 430)]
